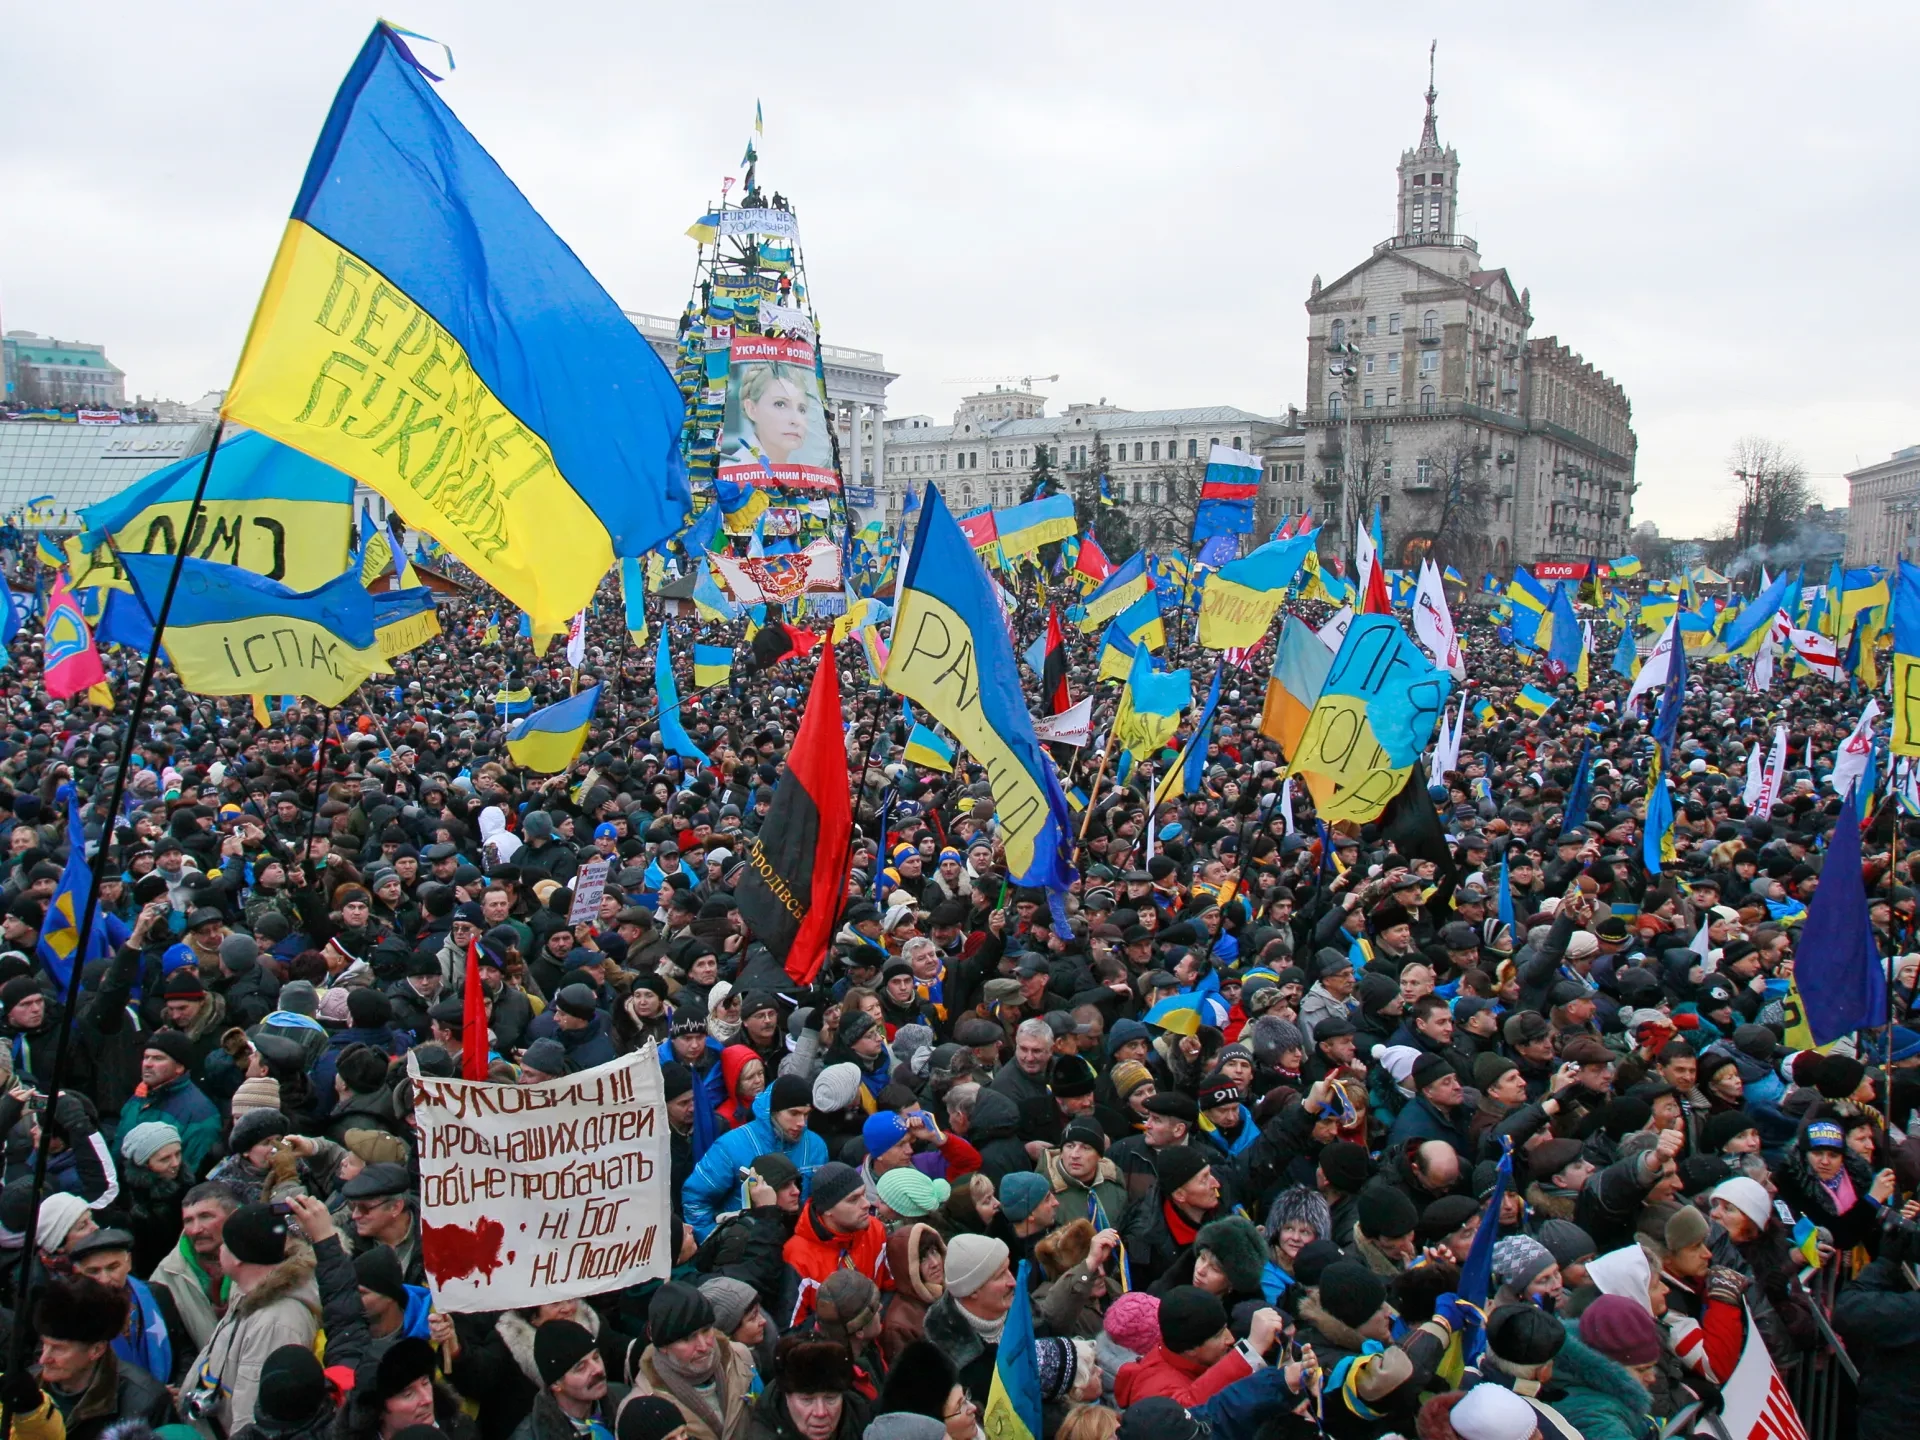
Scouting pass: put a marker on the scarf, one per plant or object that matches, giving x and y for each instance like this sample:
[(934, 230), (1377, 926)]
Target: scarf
[(987, 1330), (682, 1383), (1177, 1224)]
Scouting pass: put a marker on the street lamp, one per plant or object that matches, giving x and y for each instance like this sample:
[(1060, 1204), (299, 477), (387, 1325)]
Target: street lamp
[(1343, 370)]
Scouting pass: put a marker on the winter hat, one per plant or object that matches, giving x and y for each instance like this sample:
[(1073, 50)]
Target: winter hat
[(1722, 1129), (678, 1310), (1444, 1216), (559, 1345), (972, 1260), (1686, 1226), (1383, 1213), (378, 1269), (1838, 1076), (1312, 1261), (814, 1367), (253, 1127), (147, 1139), (1300, 1204), (883, 1131), (1749, 1197), (1518, 1259), (910, 1194), (293, 1388), (1132, 1321), (845, 1304), (1488, 1068), (1346, 1166), (1627, 1271), (1567, 1241), (260, 1092), (835, 1086), (256, 1234), (1189, 1317), (1178, 1164), (1621, 1330), (918, 1383), (1058, 1363), (645, 1417), (1160, 1418), (368, 1008), (1493, 1412), (1128, 1076), (832, 1183), (1351, 1293), (732, 1301), (172, 1044), (84, 1311), (1022, 1192), (788, 1092), (777, 1170), (1237, 1247), (1525, 1334), (363, 1068)]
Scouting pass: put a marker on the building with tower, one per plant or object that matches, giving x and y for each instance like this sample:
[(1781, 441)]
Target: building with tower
[(1428, 395)]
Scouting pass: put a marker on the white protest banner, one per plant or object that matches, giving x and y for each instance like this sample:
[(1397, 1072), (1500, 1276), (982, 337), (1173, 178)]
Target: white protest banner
[(1073, 726), (536, 1193), (588, 886)]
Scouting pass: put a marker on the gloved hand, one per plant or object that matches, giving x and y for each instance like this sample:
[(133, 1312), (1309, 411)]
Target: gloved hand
[(1725, 1283)]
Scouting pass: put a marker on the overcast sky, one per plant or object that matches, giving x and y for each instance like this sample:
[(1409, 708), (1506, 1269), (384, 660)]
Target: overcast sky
[(1133, 200)]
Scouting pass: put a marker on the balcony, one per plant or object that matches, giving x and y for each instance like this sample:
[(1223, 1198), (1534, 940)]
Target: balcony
[(1419, 484), (1429, 337), (1509, 386), (1504, 458), (1434, 240), (1331, 448), (1326, 484), (1487, 342)]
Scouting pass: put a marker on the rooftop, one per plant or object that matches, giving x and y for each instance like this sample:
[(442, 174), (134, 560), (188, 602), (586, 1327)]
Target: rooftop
[(1093, 418)]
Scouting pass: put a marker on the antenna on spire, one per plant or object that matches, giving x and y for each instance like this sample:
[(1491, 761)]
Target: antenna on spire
[(1430, 132)]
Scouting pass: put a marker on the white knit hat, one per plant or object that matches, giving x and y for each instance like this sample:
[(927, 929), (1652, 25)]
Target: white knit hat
[(972, 1260), (835, 1086), (1493, 1412)]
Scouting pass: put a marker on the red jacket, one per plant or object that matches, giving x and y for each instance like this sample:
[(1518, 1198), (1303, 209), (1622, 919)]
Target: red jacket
[(1162, 1372), (815, 1252)]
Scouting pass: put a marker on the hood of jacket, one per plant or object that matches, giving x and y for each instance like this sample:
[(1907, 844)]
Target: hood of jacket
[(1579, 1365), (905, 1246), (291, 1279), (516, 1333)]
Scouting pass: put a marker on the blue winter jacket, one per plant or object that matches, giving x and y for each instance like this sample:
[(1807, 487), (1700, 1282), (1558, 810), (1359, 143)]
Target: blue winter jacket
[(715, 1184)]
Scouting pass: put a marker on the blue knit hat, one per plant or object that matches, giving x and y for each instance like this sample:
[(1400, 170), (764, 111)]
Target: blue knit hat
[(1021, 1193)]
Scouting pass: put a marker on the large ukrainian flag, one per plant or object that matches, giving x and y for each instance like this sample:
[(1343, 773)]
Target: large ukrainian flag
[(230, 632), (1238, 604), (952, 656), (548, 740), (424, 331)]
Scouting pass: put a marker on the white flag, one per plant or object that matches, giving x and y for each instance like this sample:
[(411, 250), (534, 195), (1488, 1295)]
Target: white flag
[(1333, 634), (1363, 558), (1755, 770), (1818, 653), (1855, 751), (577, 640), (1434, 625), (1286, 804), (1775, 773), (1653, 674)]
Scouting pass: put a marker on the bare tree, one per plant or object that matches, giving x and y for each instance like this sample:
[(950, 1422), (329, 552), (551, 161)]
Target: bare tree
[(1774, 493), (1164, 521), (1448, 508)]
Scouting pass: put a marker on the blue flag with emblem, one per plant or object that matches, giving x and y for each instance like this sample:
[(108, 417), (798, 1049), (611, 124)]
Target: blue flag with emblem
[(59, 946)]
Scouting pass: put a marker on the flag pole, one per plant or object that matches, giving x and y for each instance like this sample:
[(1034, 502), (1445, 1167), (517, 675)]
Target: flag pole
[(83, 929)]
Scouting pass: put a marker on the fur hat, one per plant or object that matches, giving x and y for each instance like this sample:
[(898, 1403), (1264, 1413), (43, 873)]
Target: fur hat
[(1060, 1250), (255, 1126), (74, 1308), (816, 1367), (1236, 1245), (362, 1067), (919, 1382), (1303, 1204)]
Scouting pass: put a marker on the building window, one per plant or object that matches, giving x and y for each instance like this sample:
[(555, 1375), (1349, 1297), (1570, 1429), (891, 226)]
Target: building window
[(1338, 334), (1193, 449), (1336, 405), (1366, 399), (1439, 179), (1139, 492), (1238, 442), (1393, 323), (1423, 472), (1429, 361), (943, 463), (1430, 325), (1393, 363), (994, 459), (1156, 450), (1370, 324), (1153, 492), (1023, 459), (1420, 182), (1393, 398), (973, 460), (1426, 399), (1367, 364)]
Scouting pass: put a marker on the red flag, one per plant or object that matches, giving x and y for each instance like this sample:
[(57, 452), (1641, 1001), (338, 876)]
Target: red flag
[(1092, 561), (796, 873), (1053, 671), (473, 1026), (1375, 601)]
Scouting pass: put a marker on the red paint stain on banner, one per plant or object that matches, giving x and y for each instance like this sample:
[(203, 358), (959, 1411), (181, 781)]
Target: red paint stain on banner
[(452, 1252)]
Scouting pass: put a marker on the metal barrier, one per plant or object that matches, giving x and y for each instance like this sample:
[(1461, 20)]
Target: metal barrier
[(1822, 1381)]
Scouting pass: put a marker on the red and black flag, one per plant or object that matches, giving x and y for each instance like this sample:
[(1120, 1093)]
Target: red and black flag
[(776, 641), (796, 870), (1053, 667)]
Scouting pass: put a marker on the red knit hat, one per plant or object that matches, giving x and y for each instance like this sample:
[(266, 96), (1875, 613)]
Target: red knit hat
[(1621, 1329)]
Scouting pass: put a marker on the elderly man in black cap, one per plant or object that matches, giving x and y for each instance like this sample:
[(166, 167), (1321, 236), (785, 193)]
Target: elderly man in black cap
[(381, 1204), (708, 1377), (274, 1302)]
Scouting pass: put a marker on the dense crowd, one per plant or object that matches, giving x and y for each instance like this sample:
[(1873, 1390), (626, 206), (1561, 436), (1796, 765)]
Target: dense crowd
[(1249, 1218)]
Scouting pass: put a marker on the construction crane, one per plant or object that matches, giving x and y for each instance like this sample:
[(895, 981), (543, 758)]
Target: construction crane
[(1026, 381)]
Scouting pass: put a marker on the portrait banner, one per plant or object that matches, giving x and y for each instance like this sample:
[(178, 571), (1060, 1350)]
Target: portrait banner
[(536, 1193), (774, 430)]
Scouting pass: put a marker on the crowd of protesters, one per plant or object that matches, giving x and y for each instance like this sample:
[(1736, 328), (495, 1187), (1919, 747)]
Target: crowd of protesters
[(1248, 1219)]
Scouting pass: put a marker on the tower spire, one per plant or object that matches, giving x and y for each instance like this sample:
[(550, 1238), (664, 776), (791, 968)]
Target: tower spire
[(1429, 132)]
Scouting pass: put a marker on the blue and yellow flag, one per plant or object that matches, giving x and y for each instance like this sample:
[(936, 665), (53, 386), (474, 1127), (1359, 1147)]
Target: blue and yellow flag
[(512, 704), (952, 656), (633, 595), (673, 731), (402, 620), (1374, 715), (548, 740), (426, 332), (924, 746), (230, 632), (1012, 1411), (741, 506), (1140, 622), (1237, 607), (1116, 652), (1186, 775), (1534, 700), (712, 664), (1625, 566), (1025, 528), (268, 509), (1150, 706), (376, 549), (1905, 661), (492, 636), (60, 931), (1125, 585)]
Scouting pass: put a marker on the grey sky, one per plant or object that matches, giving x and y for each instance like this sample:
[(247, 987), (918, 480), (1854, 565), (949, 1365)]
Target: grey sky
[(1134, 200)]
